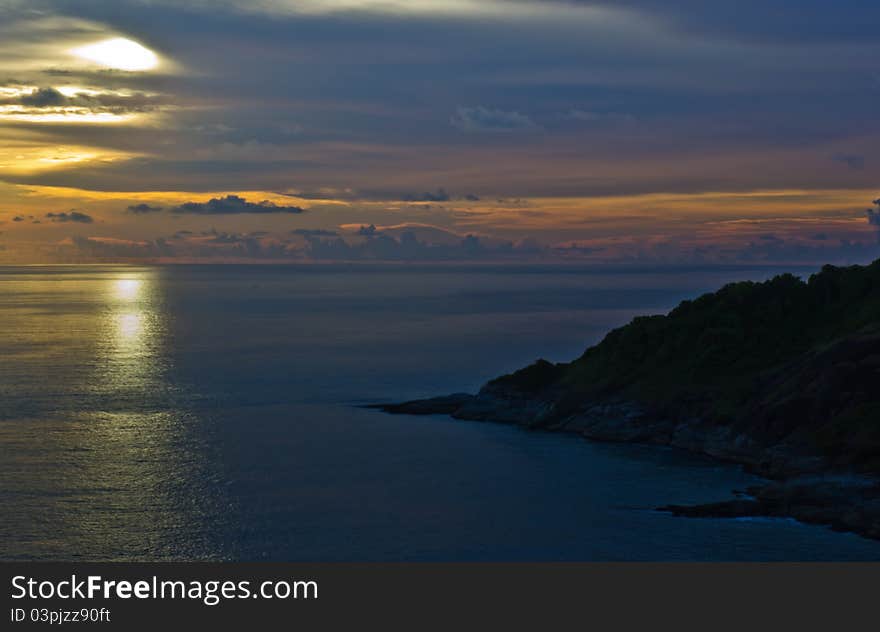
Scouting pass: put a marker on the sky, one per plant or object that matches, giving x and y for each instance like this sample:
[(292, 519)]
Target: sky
[(635, 131)]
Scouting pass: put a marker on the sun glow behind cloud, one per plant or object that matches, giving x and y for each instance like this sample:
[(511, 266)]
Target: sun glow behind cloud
[(119, 53), (67, 71), (33, 158)]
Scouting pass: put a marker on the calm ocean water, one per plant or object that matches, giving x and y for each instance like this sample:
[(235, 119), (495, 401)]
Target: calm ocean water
[(209, 412)]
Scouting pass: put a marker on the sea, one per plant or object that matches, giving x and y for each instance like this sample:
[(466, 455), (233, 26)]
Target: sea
[(216, 412)]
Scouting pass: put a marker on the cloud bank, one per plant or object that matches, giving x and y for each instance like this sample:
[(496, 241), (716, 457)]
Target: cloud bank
[(234, 205), (71, 216)]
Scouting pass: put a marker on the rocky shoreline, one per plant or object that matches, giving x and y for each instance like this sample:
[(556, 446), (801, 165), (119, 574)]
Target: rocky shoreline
[(844, 503), (782, 377), (800, 485)]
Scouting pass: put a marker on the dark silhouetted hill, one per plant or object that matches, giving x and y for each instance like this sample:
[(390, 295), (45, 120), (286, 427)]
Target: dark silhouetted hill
[(783, 376)]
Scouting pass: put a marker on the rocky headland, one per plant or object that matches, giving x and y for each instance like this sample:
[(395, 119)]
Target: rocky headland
[(782, 377)]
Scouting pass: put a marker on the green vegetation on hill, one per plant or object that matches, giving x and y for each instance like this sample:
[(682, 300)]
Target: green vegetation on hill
[(785, 360)]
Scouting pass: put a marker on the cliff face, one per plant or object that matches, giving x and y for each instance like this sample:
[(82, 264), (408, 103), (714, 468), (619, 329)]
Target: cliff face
[(783, 376)]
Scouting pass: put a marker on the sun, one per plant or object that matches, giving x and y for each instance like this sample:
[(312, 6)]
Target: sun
[(119, 53)]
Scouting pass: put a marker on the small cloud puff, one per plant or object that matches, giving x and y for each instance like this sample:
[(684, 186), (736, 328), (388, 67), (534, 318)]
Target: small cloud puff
[(440, 195), (143, 209), (43, 98), (72, 216)]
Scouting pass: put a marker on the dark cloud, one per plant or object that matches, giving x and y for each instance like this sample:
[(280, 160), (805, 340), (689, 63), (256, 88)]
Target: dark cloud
[(18, 218), (43, 97), (439, 196), (143, 209), (72, 216), (482, 119), (233, 205), (109, 101)]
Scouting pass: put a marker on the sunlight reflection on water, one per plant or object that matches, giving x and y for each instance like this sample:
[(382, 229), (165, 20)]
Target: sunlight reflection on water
[(111, 465), (132, 349)]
